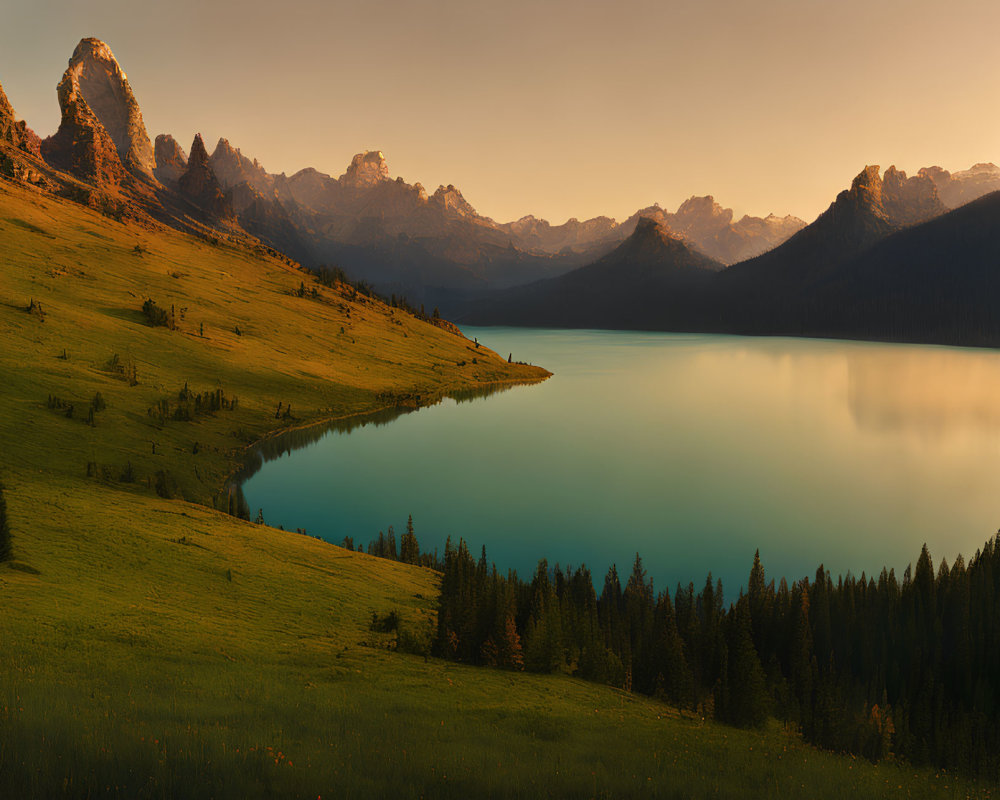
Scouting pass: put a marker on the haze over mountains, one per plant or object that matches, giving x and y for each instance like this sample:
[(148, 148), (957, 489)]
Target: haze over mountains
[(435, 248), (887, 260)]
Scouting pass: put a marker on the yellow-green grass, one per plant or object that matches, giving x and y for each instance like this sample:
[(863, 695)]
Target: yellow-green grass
[(159, 648), (326, 357)]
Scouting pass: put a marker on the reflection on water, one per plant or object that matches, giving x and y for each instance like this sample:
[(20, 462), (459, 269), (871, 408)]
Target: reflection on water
[(936, 391), (273, 447), (693, 450)]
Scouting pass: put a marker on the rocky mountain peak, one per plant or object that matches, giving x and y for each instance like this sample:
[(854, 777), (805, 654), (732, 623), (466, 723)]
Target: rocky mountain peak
[(171, 160), (95, 78), (14, 132), (908, 201), (866, 188), (82, 145), (199, 155), (200, 184), (451, 200), (702, 212), (651, 235), (366, 170), (654, 249), (232, 168), (958, 188)]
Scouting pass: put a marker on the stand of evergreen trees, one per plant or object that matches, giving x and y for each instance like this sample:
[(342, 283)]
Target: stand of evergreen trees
[(872, 666), (408, 550)]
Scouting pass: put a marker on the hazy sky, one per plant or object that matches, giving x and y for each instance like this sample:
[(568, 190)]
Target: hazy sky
[(558, 109)]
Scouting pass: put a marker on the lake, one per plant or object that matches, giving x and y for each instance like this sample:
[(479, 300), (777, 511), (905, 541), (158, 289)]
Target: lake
[(692, 450)]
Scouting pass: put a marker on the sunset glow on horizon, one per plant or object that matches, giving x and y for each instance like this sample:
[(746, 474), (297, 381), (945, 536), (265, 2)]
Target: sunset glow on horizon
[(558, 110)]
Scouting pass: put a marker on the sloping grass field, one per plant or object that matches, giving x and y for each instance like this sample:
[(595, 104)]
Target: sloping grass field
[(152, 646)]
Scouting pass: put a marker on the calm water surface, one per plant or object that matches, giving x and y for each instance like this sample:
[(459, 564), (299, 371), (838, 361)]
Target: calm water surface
[(692, 450)]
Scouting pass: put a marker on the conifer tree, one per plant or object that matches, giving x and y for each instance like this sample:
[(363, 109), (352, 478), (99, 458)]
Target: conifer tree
[(747, 701)]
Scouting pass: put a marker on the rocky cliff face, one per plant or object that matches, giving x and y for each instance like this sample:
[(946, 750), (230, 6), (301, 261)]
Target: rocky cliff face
[(101, 121), (538, 235), (232, 168), (171, 160), (16, 132), (909, 201), (451, 201), (709, 228), (307, 187), (958, 188), (366, 170), (654, 244), (200, 185), (869, 211), (82, 146), (765, 233), (19, 146)]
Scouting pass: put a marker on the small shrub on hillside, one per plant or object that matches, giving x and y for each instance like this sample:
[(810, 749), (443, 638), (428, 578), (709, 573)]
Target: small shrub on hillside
[(156, 316), (386, 624), (35, 308), (123, 369), (410, 639), (166, 486)]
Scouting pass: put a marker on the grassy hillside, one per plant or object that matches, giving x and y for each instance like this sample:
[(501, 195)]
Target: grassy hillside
[(240, 327), (155, 647)]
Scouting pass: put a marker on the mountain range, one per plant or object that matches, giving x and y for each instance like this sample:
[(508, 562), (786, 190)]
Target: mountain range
[(887, 260), (696, 268), (378, 228)]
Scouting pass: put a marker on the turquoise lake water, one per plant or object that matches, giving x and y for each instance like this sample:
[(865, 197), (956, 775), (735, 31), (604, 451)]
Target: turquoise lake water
[(691, 450)]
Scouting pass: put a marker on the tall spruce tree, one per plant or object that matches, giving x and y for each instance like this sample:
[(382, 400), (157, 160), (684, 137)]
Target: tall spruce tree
[(747, 702)]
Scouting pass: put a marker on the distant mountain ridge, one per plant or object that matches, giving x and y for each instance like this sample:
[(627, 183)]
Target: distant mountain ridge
[(958, 188), (436, 248), (652, 264), (382, 229), (886, 260)]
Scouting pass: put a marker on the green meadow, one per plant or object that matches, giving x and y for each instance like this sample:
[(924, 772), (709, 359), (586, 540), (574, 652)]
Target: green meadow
[(152, 646)]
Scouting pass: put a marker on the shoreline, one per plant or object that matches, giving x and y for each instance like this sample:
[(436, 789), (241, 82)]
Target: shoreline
[(234, 480)]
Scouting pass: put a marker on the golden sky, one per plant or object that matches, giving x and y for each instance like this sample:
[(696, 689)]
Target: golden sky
[(558, 108)]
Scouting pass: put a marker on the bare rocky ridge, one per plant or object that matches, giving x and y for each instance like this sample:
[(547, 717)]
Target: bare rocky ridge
[(700, 221), (366, 170), (171, 160), (232, 168), (82, 146), (709, 228), (870, 210), (958, 188), (15, 132), (20, 148), (451, 201), (95, 83), (200, 185), (885, 260), (532, 233), (650, 276), (909, 201), (429, 247)]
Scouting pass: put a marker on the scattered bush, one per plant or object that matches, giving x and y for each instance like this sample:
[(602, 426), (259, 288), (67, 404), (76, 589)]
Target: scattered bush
[(156, 316), (123, 369), (386, 624), (35, 308), (166, 486)]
